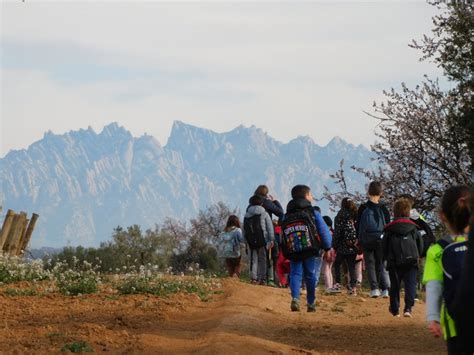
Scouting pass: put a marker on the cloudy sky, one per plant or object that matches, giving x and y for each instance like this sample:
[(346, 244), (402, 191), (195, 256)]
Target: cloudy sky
[(290, 68)]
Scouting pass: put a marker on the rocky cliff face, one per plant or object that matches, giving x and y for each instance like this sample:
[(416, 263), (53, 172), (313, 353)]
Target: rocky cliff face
[(83, 184)]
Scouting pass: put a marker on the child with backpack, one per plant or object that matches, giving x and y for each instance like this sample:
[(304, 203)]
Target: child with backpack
[(402, 247), (443, 267), (230, 242), (258, 232), (304, 235), (371, 224), (345, 242)]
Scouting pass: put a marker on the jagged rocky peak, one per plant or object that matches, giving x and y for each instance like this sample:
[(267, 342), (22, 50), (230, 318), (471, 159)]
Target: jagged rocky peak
[(114, 129), (337, 142), (303, 141)]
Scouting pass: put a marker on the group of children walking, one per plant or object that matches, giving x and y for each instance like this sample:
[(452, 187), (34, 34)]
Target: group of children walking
[(302, 243)]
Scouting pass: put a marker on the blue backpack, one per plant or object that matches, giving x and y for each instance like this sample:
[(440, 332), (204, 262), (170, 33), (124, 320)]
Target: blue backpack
[(229, 245)]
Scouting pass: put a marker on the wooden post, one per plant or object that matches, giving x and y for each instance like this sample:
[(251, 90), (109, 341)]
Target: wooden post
[(7, 223), (28, 233), (15, 230), (19, 240)]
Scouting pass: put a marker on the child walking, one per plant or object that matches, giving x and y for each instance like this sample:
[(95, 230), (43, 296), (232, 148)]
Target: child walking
[(259, 234), (402, 248), (443, 267), (304, 234), (231, 241)]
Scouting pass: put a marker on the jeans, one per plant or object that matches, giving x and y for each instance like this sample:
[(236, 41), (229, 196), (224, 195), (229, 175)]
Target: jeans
[(378, 276), (350, 262), (258, 264), (408, 276), (310, 269)]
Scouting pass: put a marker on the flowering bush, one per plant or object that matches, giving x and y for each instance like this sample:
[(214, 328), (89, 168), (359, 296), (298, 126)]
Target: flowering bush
[(82, 278), (14, 269)]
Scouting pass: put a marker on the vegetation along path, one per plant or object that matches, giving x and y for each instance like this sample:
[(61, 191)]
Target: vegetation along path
[(241, 319)]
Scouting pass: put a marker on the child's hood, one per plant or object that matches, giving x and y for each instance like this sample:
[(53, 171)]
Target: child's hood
[(254, 210)]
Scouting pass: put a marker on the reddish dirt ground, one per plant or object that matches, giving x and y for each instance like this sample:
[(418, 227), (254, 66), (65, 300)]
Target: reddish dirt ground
[(243, 319)]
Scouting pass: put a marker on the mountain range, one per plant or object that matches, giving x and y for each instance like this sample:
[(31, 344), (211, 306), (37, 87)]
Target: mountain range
[(83, 183)]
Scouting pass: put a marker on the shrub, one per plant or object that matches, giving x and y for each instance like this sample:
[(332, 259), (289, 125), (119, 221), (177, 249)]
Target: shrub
[(77, 347), (14, 269), (83, 278)]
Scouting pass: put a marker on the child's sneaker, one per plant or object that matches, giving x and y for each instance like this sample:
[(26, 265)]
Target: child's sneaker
[(311, 308), (352, 292), (385, 294), (295, 305), (407, 314), (395, 314), (375, 293)]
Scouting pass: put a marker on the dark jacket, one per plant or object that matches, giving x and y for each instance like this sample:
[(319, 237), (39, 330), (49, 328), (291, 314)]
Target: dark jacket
[(321, 226), (273, 208), (345, 236), (398, 228), (372, 221)]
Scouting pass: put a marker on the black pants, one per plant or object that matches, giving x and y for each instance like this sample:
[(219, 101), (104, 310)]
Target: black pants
[(350, 261), (408, 276), (456, 348), (376, 273)]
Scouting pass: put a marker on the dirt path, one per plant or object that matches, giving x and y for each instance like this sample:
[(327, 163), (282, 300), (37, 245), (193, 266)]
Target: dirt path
[(244, 319)]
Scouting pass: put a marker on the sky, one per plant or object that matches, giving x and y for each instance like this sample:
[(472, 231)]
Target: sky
[(290, 68)]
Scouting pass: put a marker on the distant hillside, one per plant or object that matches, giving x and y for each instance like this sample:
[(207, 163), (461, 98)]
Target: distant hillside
[(83, 184)]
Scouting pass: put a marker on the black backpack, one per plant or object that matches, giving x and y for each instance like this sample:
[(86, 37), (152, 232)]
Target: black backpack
[(253, 232), (404, 249), (299, 234), (452, 261)]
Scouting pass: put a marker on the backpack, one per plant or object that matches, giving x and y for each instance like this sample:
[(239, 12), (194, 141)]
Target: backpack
[(253, 232), (299, 234), (404, 249), (229, 246), (426, 234), (452, 261), (375, 225)]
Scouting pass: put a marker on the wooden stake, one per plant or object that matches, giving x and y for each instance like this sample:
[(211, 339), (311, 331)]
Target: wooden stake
[(7, 223), (28, 233), (19, 242), (13, 241)]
